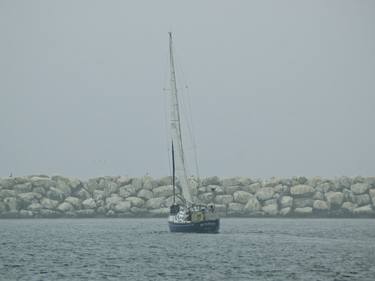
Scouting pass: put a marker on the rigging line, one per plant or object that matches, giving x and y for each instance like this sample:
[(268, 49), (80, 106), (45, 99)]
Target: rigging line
[(165, 104), (189, 117)]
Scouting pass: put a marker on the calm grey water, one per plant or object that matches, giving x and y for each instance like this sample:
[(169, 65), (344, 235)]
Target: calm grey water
[(143, 249)]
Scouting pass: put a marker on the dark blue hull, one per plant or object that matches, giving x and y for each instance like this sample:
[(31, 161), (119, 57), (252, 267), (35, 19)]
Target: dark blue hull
[(209, 226)]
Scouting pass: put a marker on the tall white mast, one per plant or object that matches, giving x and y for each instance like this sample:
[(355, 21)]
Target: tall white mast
[(176, 129)]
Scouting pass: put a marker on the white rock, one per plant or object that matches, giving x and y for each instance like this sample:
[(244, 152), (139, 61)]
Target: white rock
[(207, 197), (265, 193), (146, 194), (49, 203), (127, 190), (12, 204), (349, 206), (362, 199), (75, 202), (271, 210), (89, 203), (303, 211), (231, 189), (29, 196), (35, 207), (286, 201), (124, 180), (223, 199), (163, 191), (83, 194), (252, 205), (252, 188), (318, 196), (334, 198), (155, 203), (360, 188), (302, 190), (235, 208), (302, 202), (123, 206), (285, 211), (364, 210), (65, 207), (241, 196), (98, 195), (135, 201), (112, 201), (320, 205)]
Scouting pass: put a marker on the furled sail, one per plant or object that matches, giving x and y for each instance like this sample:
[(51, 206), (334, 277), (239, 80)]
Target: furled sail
[(175, 127)]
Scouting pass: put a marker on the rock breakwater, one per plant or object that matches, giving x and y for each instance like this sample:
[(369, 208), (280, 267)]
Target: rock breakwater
[(49, 197)]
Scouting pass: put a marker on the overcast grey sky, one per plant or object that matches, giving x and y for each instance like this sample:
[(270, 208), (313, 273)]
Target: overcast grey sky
[(278, 88)]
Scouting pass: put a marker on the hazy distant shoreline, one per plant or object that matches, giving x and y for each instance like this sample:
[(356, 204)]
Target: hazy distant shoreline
[(40, 196)]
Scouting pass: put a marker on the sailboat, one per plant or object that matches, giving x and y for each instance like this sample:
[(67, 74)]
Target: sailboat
[(187, 215)]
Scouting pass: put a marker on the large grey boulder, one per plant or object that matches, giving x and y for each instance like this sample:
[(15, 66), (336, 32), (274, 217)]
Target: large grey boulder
[(348, 206), (7, 193), (252, 205), (89, 203), (364, 210), (55, 194), (231, 189), (318, 195), (223, 199), (65, 207), (211, 181), (206, 198), (362, 199), (335, 199), (110, 188), (285, 211), (123, 180), (145, 194), (12, 204), (320, 205), (149, 183), (235, 208), (75, 202), (122, 206), (241, 196), (234, 181), (303, 202), (26, 214), (7, 183), (303, 211), (342, 183), (35, 207), (49, 203), (127, 190), (63, 186), (252, 188), (83, 194), (110, 202), (23, 187), (302, 190), (163, 191), (137, 183), (286, 201), (99, 195), (155, 203), (135, 201), (265, 193), (45, 182), (272, 201), (271, 210), (29, 196), (360, 188)]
